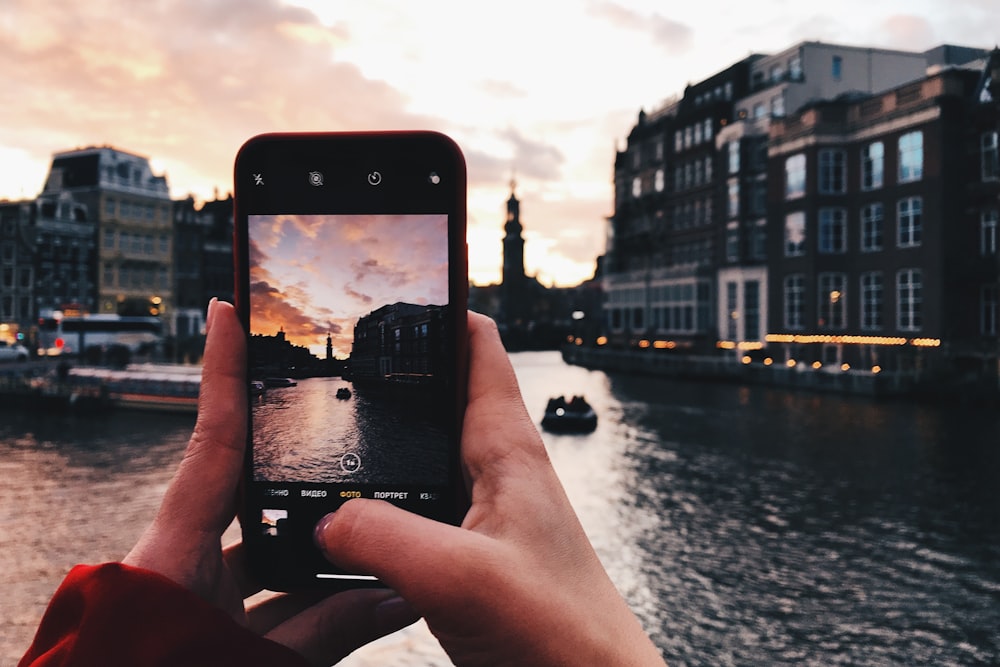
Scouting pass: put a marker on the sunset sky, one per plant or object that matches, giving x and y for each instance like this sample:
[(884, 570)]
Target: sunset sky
[(544, 91), (312, 274)]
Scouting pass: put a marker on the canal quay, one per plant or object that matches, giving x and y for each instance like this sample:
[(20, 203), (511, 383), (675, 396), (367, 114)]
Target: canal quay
[(744, 524)]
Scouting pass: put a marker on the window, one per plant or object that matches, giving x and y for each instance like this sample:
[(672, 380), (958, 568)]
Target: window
[(636, 186), (732, 241), (872, 166), (778, 105), (837, 67), (794, 290), (832, 230), (988, 233), (658, 150), (871, 228), (795, 234), (697, 133), (990, 300), (708, 169), (908, 214), (871, 300), (732, 311), (708, 129), (751, 310), (687, 137), (832, 171), (795, 176), (110, 207), (909, 286), (911, 157), (109, 239), (734, 157), (733, 205), (758, 198), (678, 141), (658, 180), (795, 68), (990, 157), (832, 300), (759, 110)]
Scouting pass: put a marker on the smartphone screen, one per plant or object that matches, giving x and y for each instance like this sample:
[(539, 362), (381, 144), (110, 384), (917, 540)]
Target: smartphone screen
[(353, 272)]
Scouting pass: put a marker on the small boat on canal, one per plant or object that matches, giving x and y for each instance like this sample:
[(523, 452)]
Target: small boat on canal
[(573, 416), (343, 393)]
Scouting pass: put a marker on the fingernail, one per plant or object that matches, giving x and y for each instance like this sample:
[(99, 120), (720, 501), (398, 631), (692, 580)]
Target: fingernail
[(320, 529), (393, 614), (210, 315)]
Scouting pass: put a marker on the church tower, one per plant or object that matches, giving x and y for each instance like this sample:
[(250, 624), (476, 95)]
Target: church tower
[(513, 242)]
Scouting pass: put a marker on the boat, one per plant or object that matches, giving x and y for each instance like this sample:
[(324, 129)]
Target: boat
[(275, 382), (343, 393), (573, 416), (257, 387), (156, 387)]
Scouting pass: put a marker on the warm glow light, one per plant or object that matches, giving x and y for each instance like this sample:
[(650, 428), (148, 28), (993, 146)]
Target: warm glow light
[(768, 361), (790, 363), (664, 344), (926, 342), (876, 369), (750, 345), (643, 343), (579, 341), (602, 340), (817, 365), (569, 339), (745, 359), (725, 345), (845, 367), (156, 300)]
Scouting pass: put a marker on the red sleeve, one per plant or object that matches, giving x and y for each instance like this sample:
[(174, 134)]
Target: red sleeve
[(113, 614)]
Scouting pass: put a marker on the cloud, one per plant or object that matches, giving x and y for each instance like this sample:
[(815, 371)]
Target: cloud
[(673, 37), (904, 31), (272, 308), (183, 80)]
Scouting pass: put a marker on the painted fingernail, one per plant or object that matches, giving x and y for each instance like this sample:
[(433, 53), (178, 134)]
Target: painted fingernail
[(320, 529), (393, 614)]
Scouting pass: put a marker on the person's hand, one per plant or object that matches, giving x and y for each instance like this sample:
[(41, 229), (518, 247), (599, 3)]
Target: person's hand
[(518, 583), (183, 543)]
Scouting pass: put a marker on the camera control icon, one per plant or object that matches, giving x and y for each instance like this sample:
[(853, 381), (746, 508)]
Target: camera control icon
[(374, 177), (350, 462), (316, 178)]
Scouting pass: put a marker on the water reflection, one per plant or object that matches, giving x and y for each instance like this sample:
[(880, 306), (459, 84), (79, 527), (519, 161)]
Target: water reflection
[(745, 526)]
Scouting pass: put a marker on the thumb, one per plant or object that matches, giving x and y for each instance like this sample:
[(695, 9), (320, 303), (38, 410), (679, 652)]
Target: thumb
[(424, 560), (202, 493)]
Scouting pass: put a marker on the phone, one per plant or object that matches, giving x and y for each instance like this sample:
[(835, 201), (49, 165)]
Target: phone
[(352, 284)]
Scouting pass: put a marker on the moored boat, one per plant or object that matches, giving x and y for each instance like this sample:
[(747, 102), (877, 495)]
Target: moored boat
[(343, 393)]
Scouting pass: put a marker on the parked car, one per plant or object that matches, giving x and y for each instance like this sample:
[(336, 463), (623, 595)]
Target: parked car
[(12, 351)]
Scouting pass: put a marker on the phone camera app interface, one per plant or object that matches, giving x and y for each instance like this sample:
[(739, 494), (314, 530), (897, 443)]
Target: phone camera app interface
[(349, 349)]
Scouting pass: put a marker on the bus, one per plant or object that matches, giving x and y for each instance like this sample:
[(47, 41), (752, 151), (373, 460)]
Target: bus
[(114, 337)]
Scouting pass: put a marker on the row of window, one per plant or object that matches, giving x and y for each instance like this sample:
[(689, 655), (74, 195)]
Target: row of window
[(832, 167), (136, 243), (136, 277), (832, 231), (135, 210), (832, 301), (693, 135)]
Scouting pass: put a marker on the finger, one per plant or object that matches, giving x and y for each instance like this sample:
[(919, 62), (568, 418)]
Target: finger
[(234, 556), (497, 425), (202, 493), (330, 629), (371, 535)]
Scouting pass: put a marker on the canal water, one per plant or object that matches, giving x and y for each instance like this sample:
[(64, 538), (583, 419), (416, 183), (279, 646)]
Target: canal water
[(745, 525)]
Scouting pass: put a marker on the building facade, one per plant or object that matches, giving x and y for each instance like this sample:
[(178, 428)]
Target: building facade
[(132, 211), (882, 234), (17, 278), (707, 250)]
